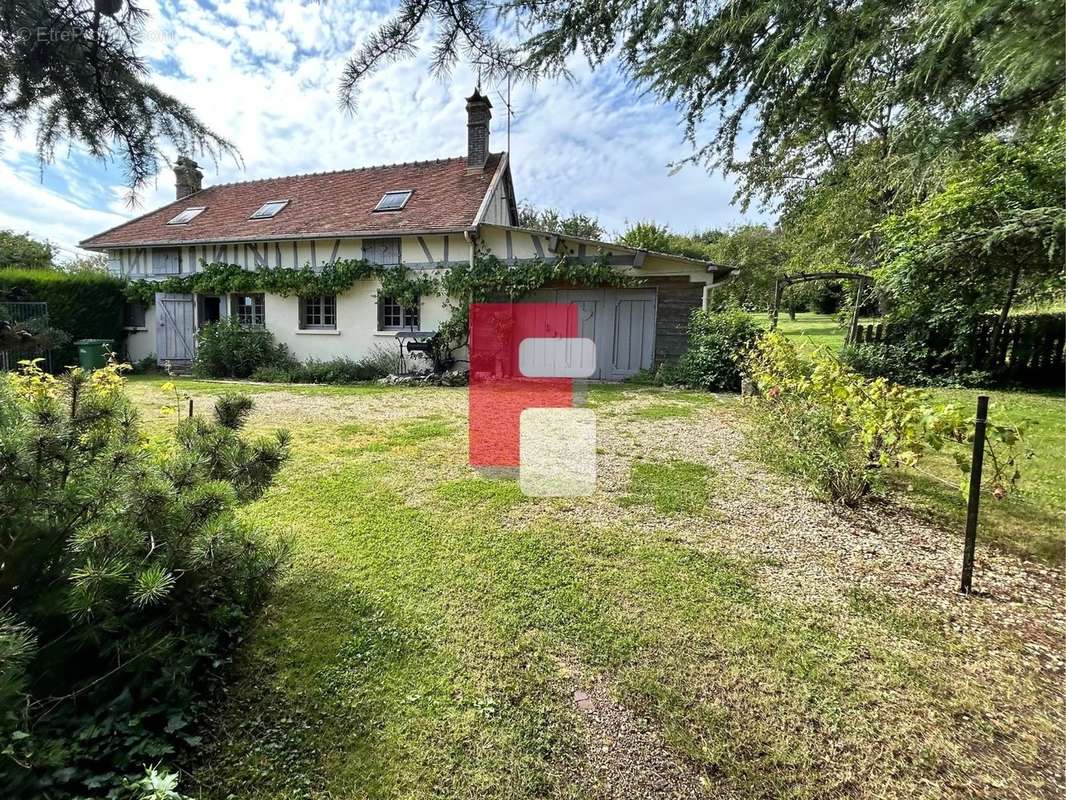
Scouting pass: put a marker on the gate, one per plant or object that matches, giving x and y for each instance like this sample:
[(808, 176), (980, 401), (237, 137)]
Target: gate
[(27, 316)]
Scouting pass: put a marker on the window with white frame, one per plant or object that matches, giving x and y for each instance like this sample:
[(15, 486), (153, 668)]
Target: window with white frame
[(269, 210), (392, 316), (318, 313), (248, 309), (188, 215), (394, 201)]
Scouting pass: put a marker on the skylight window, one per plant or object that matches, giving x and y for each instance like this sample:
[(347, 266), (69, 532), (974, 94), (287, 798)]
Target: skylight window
[(268, 210), (393, 201), (187, 216)]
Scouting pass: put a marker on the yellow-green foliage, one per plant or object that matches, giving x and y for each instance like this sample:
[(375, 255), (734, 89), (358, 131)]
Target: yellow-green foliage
[(837, 427)]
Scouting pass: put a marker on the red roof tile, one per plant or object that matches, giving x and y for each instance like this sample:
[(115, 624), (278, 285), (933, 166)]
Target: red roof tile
[(446, 198)]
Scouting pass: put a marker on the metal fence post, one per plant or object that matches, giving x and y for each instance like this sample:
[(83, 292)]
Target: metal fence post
[(974, 500)]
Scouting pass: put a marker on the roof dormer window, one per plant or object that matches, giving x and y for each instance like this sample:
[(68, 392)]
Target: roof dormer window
[(268, 210), (188, 215), (394, 201)]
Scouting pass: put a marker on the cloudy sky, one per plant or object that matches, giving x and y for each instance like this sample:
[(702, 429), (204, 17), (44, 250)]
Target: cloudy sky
[(264, 75)]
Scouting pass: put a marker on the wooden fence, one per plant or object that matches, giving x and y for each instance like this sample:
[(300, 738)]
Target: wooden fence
[(1029, 349)]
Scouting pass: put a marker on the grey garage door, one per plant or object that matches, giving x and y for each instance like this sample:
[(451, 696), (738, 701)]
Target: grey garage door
[(620, 321)]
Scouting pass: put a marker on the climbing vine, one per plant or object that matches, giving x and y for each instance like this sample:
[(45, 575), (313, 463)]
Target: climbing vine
[(487, 279), (335, 278)]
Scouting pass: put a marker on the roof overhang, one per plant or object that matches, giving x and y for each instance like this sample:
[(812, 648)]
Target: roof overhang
[(503, 173), (301, 237), (557, 239)]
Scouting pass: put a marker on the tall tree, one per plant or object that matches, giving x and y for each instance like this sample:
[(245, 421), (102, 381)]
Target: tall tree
[(71, 70), (22, 251), (816, 78), (649, 235), (554, 221)]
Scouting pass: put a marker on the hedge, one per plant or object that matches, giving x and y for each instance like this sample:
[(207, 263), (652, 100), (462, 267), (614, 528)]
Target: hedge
[(85, 305)]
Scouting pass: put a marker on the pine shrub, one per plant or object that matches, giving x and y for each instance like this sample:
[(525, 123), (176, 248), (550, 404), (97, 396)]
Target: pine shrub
[(126, 578)]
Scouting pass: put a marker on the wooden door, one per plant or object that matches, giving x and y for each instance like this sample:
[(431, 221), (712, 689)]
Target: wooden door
[(632, 346), (175, 328), (620, 321)]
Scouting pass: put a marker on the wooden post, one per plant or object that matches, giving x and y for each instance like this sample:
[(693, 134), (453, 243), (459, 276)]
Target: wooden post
[(973, 505), (777, 302), (854, 327), (190, 408)]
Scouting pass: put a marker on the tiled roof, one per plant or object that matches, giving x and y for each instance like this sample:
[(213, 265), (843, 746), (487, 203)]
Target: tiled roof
[(445, 198)]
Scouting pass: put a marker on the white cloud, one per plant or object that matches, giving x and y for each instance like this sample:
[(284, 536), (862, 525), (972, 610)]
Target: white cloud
[(265, 76)]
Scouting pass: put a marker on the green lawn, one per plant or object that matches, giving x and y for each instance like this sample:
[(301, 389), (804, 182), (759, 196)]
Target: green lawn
[(810, 331), (1032, 522), (434, 625)]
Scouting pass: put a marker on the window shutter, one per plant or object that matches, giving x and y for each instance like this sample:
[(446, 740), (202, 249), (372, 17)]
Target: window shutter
[(381, 251), (381, 313), (390, 251)]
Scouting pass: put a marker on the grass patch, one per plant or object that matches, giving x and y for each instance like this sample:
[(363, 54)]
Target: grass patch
[(663, 411), (896, 619), (481, 493), (423, 650), (669, 487), (141, 383), (810, 332), (409, 434), (1030, 522)]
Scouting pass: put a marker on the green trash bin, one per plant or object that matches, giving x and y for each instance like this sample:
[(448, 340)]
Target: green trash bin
[(92, 353)]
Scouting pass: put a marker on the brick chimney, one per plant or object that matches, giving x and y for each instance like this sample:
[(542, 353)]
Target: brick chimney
[(187, 177), (478, 115)]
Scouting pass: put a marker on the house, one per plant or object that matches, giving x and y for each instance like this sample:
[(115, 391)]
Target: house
[(426, 215)]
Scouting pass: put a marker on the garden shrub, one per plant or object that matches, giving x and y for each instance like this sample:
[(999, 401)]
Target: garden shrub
[(379, 363), (895, 362), (839, 430), (718, 342), (227, 349), (232, 410), (84, 305), (127, 578), (272, 375)]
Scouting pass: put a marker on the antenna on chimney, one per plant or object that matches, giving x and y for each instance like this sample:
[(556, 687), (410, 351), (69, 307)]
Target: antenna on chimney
[(510, 109)]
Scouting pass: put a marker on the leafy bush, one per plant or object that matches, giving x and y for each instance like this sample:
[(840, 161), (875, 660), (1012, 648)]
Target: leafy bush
[(336, 370), (227, 349), (85, 305), (377, 364), (718, 343), (895, 362), (272, 375), (127, 578), (839, 430)]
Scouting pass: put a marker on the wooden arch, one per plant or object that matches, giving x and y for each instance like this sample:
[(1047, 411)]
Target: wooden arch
[(782, 283)]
